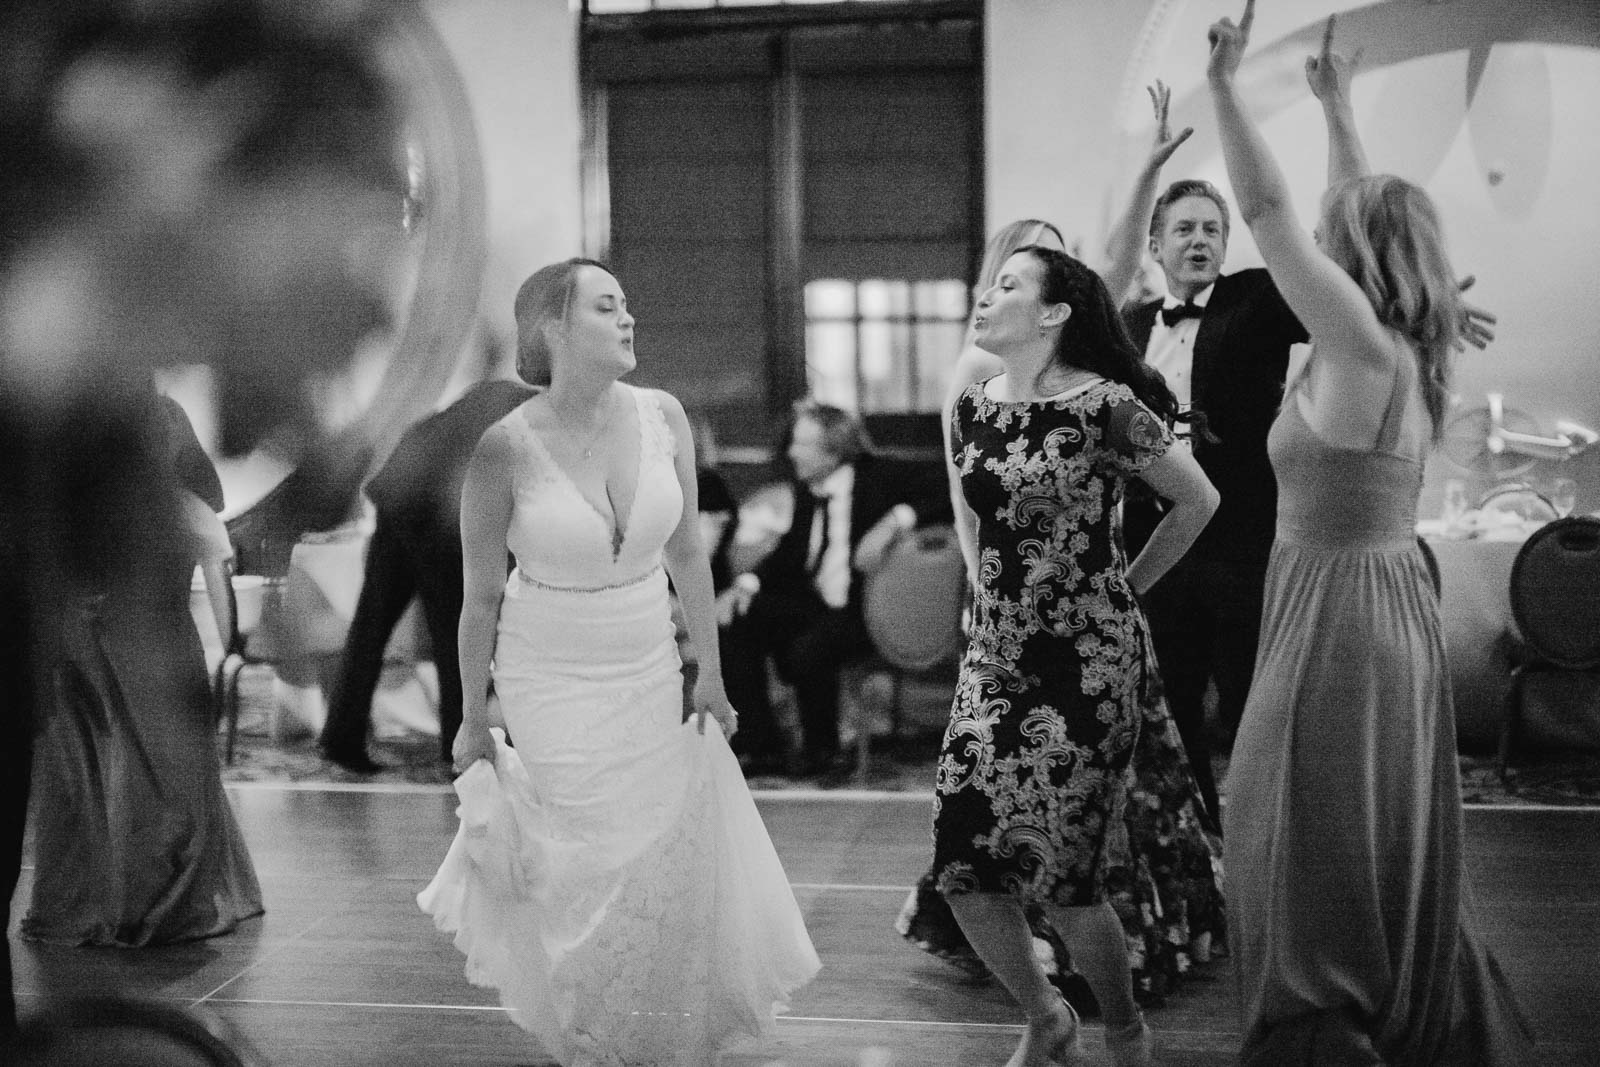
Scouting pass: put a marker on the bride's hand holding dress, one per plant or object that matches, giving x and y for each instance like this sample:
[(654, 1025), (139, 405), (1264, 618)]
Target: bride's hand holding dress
[(711, 701), (473, 743)]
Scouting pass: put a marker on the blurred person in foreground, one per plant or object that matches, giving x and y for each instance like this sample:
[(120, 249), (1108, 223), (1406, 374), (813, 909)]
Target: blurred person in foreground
[(209, 183), (134, 841), (1351, 930)]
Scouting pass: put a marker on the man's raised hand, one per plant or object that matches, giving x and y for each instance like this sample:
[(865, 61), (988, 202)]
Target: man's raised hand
[(1165, 144)]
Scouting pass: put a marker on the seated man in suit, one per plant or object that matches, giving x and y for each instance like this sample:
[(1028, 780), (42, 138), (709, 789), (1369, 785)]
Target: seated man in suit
[(802, 604)]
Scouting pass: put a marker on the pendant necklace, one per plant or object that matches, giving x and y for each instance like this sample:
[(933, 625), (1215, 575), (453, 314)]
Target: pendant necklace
[(594, 438)]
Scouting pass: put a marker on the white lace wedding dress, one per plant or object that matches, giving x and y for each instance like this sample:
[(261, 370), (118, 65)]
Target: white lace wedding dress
[(611, 877)]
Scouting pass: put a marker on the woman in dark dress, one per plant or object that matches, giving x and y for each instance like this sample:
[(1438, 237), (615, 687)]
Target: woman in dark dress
[(134, 841), (1166, 886), (1032, 773)]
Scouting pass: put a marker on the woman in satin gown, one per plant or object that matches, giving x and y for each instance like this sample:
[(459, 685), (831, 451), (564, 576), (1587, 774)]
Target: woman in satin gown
[(1349, 913), (134, 841), (611, 877)]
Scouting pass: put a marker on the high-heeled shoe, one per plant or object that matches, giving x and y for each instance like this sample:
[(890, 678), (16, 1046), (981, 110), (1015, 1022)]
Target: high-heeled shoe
[(1132, 1045), (1065, 1049), (1068, 1050)]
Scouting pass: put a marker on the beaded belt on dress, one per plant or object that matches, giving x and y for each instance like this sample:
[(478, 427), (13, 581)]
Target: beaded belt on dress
[(537, 584)]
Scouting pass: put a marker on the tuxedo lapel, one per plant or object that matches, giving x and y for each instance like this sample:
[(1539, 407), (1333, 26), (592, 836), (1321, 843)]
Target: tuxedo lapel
[(1140, 321), (864, 501), (1208, 343)]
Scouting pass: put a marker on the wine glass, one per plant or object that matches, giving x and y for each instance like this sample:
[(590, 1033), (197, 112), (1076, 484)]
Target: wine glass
[(1563, 496)]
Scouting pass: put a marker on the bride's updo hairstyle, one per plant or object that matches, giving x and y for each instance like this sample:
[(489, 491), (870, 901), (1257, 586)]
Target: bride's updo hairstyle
[(544, 299), (1094, 338), (1384, 232)]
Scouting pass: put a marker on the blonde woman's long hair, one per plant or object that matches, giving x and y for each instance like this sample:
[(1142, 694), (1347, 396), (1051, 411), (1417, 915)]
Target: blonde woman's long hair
[(1384, 231)]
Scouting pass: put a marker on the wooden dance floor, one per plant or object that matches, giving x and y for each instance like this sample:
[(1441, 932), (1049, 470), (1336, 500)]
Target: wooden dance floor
[(344, 971)]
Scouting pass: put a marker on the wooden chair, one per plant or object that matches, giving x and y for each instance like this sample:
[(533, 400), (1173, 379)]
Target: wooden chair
[(243, 647), (1555, 605)]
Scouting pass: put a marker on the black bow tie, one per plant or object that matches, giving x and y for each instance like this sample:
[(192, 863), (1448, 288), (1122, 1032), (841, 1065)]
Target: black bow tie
[(1174, 315)]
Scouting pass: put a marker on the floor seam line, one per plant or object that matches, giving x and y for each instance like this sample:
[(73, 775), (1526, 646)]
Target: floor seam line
[(211, 997)]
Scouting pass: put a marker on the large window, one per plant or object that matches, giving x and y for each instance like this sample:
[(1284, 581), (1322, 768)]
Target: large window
[(883, 345), (792, 197)]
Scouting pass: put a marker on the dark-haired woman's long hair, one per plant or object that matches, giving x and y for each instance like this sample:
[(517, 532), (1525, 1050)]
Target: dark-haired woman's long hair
[(1095, 339)]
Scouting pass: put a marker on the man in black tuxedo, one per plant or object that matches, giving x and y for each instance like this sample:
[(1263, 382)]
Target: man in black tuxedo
[(802, 604), (415, 551), (1222, 341)]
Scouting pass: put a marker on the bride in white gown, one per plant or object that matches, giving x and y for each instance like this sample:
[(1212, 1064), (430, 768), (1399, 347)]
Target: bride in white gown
[(611, 877)]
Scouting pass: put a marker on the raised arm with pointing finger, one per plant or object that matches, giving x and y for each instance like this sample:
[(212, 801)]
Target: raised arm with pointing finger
[(1328, 73), (1352, 947)]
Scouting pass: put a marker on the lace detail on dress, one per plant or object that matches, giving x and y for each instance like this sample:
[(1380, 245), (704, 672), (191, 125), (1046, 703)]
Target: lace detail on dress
[(612, 878), (563, 538), (645, 975), (1029, 788), (656, 436)]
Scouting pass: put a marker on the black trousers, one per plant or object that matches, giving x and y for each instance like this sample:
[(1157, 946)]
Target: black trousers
[(809, 643), (403, 561), (1205, 620)]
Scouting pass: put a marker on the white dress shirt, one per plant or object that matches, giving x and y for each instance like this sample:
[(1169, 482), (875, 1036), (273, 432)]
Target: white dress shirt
[(1171, 348), (832, 579)]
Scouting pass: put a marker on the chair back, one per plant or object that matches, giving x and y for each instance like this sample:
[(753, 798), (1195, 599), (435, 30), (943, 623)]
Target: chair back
[(912, 603), (1555, 592)]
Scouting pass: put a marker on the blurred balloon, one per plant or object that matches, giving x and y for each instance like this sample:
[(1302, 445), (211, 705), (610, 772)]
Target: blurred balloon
[(222, 183), (209, 181)]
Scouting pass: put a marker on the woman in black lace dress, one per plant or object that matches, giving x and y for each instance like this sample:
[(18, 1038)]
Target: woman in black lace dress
[(1166, 888), (1059, 667)]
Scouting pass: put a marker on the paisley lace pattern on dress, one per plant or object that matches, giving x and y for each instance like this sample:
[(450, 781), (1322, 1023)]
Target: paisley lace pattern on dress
[(1048, 705)]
